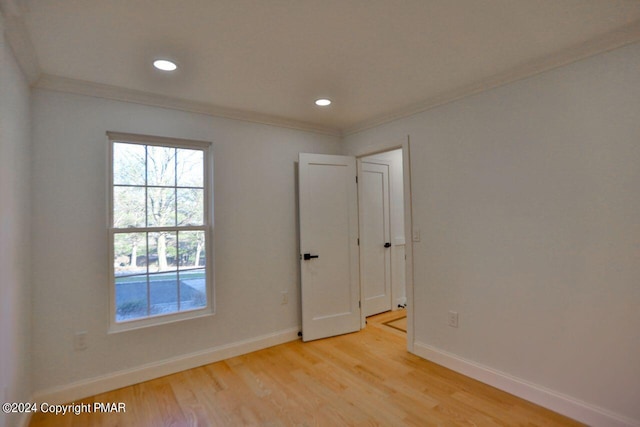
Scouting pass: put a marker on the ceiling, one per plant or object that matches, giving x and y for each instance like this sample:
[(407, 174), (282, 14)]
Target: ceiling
[(269, 60)]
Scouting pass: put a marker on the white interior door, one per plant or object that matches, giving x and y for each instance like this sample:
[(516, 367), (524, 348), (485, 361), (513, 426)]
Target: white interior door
[(328, 245), (375, 237)]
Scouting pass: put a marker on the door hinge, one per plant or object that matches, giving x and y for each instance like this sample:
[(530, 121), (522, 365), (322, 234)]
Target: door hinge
[(358, 241), (356, 179), (359, 304)]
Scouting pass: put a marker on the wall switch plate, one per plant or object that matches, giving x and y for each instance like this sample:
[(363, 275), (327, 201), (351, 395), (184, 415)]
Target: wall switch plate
[(453, 319), (416, 235), (80, 340)]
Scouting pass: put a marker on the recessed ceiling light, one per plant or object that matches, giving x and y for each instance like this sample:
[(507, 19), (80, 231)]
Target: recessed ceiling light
[(323, 102), (164, 65)]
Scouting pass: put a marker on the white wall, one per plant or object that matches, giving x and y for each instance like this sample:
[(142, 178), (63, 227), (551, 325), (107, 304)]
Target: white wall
[(15, 260), (396, 201), (256, 239), (528, 201)]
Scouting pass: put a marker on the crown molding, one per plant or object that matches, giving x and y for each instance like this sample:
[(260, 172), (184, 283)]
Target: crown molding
[(18, 38), (99, 90), (20, 42), (621, 37)]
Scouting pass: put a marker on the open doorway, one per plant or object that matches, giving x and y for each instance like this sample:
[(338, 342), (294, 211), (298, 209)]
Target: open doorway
[(382, 237), (331, 291)]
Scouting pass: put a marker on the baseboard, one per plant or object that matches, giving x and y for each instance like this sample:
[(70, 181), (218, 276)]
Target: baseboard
[(15, 419), (92, 386), (557, 402), (25, 419)]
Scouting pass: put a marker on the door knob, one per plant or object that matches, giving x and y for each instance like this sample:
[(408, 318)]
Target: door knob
[(307, 257), (387, 245)]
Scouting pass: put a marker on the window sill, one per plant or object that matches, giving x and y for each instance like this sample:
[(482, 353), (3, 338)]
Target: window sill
[(133, 325)]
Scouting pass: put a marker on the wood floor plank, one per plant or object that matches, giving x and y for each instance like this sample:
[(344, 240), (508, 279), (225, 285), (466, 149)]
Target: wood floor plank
[(361, 379)]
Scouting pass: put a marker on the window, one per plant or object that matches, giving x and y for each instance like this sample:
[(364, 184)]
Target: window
[(160, 228)]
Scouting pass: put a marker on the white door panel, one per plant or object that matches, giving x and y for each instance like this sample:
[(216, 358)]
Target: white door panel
[(328, 231), (375, 237)]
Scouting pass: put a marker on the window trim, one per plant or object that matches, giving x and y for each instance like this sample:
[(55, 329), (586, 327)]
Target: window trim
[(209, 309)]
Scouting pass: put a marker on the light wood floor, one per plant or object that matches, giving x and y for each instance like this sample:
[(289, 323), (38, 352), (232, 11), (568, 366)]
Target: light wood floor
[(362, 379)]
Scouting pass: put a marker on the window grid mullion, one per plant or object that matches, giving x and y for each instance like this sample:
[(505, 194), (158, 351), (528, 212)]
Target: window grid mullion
[(148, 281), (146, 222), (186, 187), (178, 266), (175, 198), (159, 229)]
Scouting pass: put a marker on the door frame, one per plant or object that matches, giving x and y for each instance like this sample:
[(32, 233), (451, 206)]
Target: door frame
[(405, 145)]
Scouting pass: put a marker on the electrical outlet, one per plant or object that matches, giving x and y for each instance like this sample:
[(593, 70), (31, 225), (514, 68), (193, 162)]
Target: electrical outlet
[(453, 319), (284, 297), (80, 340)]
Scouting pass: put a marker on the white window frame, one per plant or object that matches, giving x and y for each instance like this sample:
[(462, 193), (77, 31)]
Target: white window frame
[(209, 309)]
